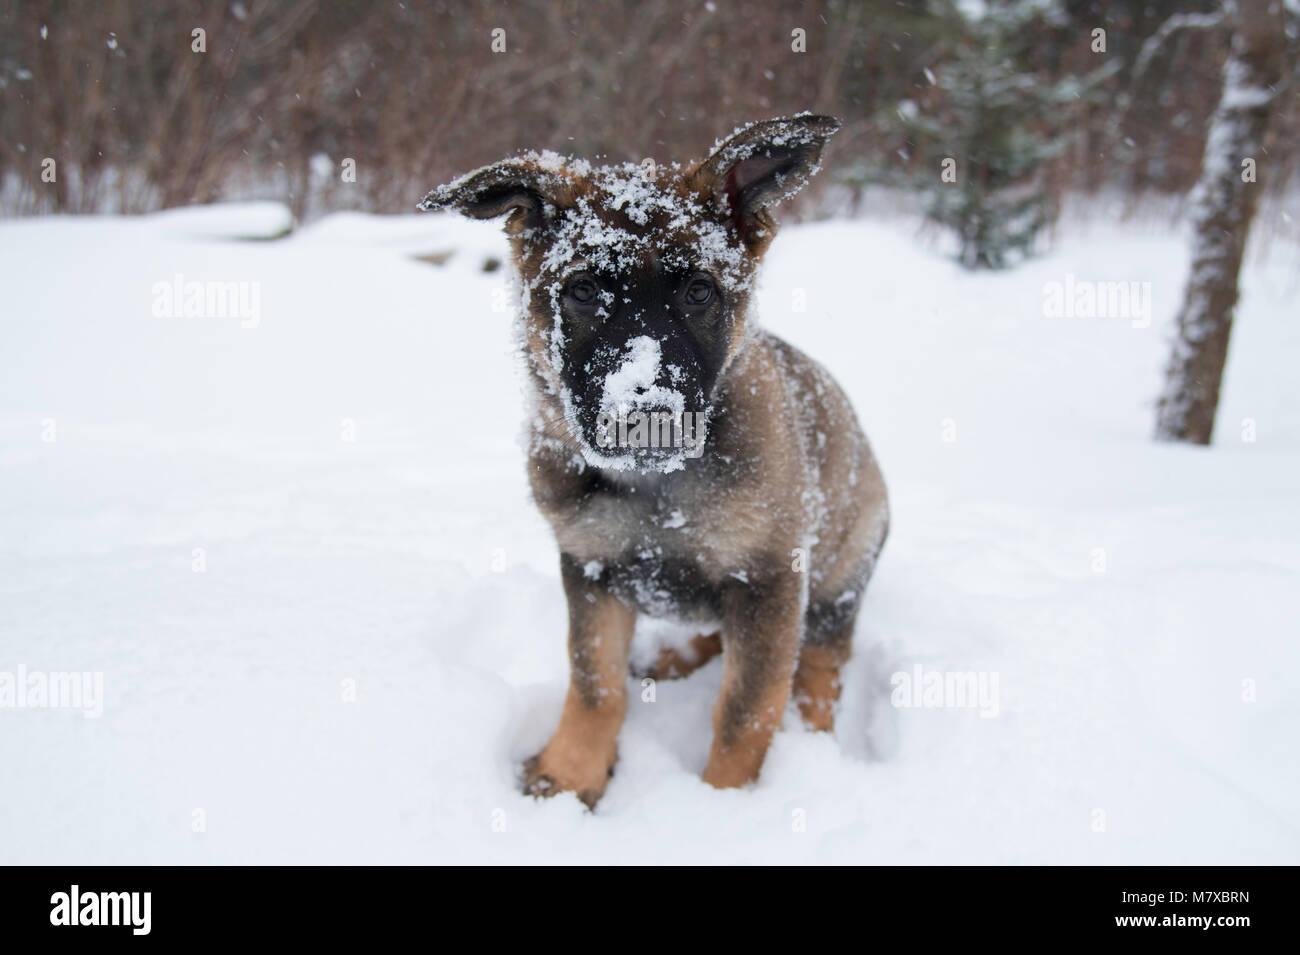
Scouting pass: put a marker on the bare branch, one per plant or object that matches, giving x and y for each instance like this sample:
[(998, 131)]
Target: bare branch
[(1175, 24)]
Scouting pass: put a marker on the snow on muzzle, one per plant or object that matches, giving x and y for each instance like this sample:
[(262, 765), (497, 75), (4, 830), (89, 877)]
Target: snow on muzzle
[(648, 409)]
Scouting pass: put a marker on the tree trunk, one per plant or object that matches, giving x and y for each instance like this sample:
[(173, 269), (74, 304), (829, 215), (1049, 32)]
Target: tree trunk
[(1224, 204)]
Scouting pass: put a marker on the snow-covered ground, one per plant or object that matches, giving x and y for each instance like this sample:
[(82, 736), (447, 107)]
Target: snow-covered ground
[(297, 544)]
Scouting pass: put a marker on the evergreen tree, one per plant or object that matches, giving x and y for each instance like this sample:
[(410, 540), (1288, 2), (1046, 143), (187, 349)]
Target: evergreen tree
[(996, 123)]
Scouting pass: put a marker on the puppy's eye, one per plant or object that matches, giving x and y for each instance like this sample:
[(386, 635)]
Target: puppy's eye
[(584, 291), (699, 292)]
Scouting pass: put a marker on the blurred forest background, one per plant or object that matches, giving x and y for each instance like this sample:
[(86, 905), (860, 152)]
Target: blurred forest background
[(984, 115), (415, 93)]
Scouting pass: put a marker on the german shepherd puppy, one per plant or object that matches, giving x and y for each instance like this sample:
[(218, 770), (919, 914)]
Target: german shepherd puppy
[(691, 465)]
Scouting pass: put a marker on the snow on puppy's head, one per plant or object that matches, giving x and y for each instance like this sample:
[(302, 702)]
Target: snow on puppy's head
[(635, 278)]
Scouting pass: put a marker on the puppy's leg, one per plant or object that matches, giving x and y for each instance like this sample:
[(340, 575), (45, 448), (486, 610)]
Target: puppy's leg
[(760, 640), (580, 756), (817, 678), (827, 646)]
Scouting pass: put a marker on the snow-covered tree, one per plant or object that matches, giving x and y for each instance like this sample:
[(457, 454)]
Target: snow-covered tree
[(1224, 203)]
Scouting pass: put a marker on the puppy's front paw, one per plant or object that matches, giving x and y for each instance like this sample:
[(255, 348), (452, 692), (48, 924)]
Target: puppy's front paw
[(549, 773)]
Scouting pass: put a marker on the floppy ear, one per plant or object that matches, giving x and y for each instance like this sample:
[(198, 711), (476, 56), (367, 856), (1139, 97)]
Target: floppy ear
[(515, 186), (762, 164)]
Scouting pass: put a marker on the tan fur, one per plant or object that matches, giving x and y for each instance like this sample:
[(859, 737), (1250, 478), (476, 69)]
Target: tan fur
[(817, 684), (674, 663), (760, 643), (581, 753)]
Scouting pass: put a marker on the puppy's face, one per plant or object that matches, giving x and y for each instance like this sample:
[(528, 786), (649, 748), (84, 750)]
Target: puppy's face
[(636, 293), (636, 279)]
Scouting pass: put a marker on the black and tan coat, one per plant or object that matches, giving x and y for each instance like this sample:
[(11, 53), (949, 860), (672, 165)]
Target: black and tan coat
[(636, 283)]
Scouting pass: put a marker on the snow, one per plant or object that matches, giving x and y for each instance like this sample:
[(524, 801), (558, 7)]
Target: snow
[(631, 383), (329, 621), (675, 520), (1245, 97), (584, 240), (225, 220)]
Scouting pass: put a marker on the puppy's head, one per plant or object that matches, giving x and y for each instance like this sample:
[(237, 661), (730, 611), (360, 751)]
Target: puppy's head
[(636, 278)]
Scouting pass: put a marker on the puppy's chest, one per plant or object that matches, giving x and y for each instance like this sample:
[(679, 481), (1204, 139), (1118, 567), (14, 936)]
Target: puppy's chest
[(653, 548), (636, 522)]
